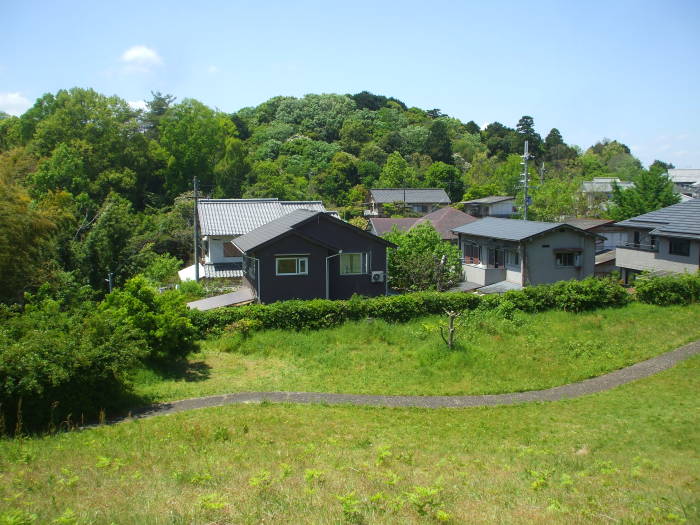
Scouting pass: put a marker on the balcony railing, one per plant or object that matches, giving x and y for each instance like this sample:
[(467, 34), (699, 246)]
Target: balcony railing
[(638, 246)]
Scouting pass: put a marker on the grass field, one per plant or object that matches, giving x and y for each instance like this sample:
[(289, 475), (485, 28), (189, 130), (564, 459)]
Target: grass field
[(629, 455), (494, 355)]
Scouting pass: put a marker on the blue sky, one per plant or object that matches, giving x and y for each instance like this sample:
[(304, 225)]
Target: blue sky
[(627, 70)]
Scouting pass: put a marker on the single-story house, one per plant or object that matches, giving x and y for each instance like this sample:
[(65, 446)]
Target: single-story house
[(599, 191), (309, 254), (222, 220), (661, 241), (491, 206), (418, 200), (443, 220), (512, 253)]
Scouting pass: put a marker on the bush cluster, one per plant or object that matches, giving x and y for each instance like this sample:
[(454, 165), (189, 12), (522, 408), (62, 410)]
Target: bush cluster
[(664, 291), (574, 296), (63, 356)]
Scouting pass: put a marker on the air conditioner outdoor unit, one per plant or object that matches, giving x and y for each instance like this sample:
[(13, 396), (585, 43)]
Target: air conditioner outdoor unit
[(378, 277)]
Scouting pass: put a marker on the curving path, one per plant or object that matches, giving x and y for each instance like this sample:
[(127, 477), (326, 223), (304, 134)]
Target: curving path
[(570, 391)]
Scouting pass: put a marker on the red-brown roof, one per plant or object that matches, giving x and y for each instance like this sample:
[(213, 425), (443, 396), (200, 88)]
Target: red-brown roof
[(443, 220)]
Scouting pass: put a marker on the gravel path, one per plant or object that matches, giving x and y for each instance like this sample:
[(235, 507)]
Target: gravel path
[(570, 391)]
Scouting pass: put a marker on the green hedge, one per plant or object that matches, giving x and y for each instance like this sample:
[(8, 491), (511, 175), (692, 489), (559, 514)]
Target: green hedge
[(676, 289), (572, 296)]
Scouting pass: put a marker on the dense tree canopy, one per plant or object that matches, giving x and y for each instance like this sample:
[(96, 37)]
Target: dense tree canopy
[(94, 186)]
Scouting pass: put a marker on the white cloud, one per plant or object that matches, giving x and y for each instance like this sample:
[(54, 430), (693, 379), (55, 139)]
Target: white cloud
[(141, 59), (14, 103), (137, 104)]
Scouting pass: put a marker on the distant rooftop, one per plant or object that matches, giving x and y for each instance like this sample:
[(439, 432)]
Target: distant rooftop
[(509, 229), (491, 199), (684, 176), (239, 216), (587, 224), (677, 220), (410, 195), (604, 185)]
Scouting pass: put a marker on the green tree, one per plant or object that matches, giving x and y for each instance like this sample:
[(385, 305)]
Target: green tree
[(422, 260), (438, 144), (650, 192), (441, 175), (396, 173), (157, 107)]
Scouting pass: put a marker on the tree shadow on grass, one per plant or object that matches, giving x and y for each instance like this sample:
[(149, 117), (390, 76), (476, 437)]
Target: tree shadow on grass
[(183, 370)]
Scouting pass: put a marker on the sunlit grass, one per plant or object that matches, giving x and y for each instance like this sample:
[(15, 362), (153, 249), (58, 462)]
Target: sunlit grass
[(374, 357), (629, 455)]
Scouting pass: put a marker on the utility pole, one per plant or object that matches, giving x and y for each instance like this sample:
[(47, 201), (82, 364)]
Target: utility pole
[(196, 235), (526, 200), (542, 173), (110, 281)]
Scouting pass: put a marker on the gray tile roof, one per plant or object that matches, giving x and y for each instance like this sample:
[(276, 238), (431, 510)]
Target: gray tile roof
[(678, 220), (382, 225), (219, 270), (272, 229), (239, 216), (242, 296), (507, 229), (412, 195), (684, 176), (492, 199), (587, 224)]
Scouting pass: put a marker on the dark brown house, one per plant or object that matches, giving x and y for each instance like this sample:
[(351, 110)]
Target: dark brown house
[(309, 255)]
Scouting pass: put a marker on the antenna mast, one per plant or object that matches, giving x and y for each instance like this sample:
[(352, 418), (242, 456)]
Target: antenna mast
[(525, 180)]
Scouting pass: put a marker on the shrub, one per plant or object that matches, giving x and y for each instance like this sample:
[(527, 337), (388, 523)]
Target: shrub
[(161, 318), (55, 363), (663, 291)]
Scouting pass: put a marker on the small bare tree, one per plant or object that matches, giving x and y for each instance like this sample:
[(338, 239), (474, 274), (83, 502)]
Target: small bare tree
[(451, 329)]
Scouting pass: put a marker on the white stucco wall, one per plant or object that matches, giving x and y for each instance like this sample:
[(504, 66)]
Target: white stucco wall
[(502, 209), (541, 259), (215, 250)]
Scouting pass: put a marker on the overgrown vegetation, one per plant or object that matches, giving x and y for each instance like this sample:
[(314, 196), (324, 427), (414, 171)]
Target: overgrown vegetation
[(672, 289), (66, 357)]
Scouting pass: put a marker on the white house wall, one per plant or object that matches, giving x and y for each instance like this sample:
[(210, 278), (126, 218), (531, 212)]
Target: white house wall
[(502, 209), (215, 251), (661, 260)]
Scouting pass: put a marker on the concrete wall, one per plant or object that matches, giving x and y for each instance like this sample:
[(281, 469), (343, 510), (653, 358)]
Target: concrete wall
[(502, 209), (541, 266), (636, 259), (483, 276)]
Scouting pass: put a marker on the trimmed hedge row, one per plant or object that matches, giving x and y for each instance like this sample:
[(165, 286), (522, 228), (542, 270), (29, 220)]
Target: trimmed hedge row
[(574, 296), (664, 291)]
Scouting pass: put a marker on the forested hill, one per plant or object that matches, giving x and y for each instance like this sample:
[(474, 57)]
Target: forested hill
[(91, 185)]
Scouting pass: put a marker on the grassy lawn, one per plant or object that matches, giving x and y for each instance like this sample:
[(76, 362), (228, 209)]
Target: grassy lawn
[(494, 355), (629, 455)]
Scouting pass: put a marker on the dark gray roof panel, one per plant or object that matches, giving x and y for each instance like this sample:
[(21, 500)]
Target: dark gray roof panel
[(493, 199), (239, 216), (272, 229), (412, 195), (678, 220), (507, 229)]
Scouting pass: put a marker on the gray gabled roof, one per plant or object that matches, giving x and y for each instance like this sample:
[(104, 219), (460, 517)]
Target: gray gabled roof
[(677, 220), (239, 216), (605, 185), (510, 229), (411, 195)]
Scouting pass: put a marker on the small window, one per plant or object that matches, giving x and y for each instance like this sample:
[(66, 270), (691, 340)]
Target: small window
[(352, 264), (679, 247), (567, 259), (512, 258), (292, 265)]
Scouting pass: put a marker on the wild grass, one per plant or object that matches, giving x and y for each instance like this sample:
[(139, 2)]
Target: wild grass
[(629, 455), (493, 354)]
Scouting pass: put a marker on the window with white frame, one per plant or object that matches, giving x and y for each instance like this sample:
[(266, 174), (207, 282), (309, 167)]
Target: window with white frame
[(292, 265), (352, 264)]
